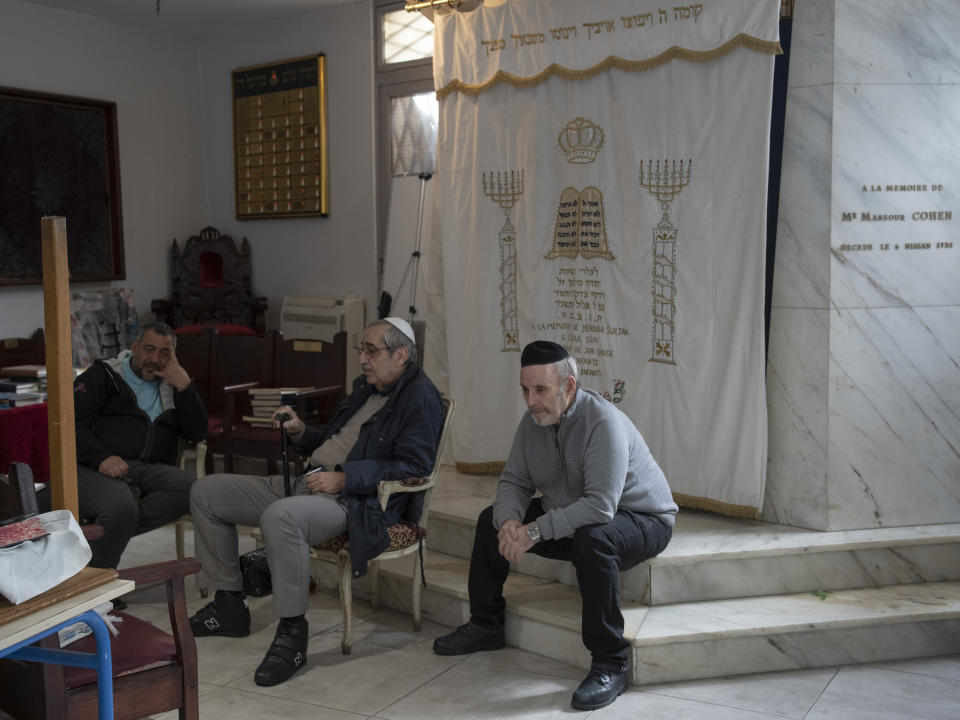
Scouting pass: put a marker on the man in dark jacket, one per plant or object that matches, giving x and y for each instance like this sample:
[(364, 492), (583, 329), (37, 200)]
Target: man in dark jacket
[(130, 414), (388, 429)]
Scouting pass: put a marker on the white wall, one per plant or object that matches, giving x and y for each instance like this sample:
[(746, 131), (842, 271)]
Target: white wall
[(303, 256), (152, 77), (176, 155)]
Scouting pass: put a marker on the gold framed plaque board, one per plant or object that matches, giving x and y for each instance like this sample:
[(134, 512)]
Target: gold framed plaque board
[(280, 139)]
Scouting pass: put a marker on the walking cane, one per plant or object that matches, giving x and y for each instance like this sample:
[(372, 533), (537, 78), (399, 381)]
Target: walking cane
[(282, 418)]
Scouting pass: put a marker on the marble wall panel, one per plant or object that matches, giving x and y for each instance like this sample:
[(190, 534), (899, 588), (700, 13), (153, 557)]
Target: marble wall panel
[(797, 406), (896, 41), (801, 265), (894, 454), (811, 48), (888, 451)]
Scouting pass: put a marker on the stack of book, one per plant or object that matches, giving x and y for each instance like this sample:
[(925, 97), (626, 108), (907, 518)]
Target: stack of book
[(265, 401), (20, 399), (23, 378)]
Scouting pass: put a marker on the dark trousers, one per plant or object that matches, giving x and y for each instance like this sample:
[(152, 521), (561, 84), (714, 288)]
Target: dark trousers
[(599, 553), (153, 495)]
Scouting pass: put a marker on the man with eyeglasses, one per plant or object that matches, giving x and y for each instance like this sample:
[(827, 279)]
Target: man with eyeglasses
[(387, 429), (604, 505)]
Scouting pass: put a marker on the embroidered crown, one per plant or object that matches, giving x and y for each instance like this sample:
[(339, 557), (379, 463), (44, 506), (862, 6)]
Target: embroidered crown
[(581, 140)]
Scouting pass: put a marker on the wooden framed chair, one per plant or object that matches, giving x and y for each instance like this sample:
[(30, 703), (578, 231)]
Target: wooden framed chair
[(237, 363), (153, 671), (199, 453), (406, 538), (23, 351), (195, 349), (313, 364)]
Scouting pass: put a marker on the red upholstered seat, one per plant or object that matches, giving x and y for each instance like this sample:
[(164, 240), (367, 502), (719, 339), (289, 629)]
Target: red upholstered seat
[(210, 267), (153, 672), (138, 646)]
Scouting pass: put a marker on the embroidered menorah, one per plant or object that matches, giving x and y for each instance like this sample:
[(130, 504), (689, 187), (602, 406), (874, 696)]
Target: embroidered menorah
[(665, 182), (505, 189)]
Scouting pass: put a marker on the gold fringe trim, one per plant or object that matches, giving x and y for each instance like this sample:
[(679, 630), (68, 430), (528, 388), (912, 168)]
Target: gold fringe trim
[(742, 40), (721, 508), (481, 468)]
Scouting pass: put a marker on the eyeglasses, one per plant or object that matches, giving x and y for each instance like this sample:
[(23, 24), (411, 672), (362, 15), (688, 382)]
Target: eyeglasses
[(370, 350)]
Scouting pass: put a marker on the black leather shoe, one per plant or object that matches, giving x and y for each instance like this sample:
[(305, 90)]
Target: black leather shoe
[(228, 615), (286, 655), (600, 688), (469, 638)]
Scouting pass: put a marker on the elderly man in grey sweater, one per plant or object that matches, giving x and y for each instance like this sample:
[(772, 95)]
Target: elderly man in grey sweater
[(605, 506)]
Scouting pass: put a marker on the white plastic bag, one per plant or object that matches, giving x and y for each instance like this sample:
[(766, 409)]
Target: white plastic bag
[(33, 567)]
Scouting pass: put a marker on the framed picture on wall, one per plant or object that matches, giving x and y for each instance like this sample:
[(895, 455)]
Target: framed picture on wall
[(280, 139), (58, 156)]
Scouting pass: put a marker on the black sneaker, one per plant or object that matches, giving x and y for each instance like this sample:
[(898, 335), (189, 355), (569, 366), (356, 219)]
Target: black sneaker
[(228, 615), (469, 638), (287, 654)]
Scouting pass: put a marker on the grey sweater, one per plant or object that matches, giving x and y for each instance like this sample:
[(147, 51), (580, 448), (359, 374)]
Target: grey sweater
[(595, 462)]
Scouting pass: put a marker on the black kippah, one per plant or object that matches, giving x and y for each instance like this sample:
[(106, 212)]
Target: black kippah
[(542, 352)]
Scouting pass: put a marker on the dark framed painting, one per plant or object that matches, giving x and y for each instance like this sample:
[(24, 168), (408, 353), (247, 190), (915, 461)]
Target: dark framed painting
[(280, 139), (58, 156)]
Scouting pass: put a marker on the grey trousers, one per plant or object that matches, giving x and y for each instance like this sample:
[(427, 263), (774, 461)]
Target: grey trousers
[(289, 525)]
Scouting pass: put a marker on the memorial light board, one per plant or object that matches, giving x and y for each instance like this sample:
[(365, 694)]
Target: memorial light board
[(280, 139)]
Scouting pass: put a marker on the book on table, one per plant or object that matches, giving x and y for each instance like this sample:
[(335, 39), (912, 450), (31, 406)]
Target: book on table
[(14, 399), (259, 421), (277, 391), (18, 385), (24, 371)]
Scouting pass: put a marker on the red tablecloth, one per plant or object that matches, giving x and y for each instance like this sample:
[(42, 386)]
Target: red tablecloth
[(23, 438)]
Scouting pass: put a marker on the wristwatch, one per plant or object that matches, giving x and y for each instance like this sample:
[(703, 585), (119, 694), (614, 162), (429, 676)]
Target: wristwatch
[(533, 532)]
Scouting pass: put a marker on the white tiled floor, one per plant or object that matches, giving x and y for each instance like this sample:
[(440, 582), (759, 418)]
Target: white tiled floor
[(392, 674)]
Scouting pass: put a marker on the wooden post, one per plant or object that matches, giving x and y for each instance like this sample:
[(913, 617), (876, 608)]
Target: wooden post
[(56, 312)]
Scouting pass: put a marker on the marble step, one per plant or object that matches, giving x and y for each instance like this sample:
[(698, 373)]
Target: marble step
[(694, 640), (712, 557)]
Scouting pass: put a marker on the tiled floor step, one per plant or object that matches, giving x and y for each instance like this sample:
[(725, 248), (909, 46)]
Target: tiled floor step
[(712, 557), (709, 638)]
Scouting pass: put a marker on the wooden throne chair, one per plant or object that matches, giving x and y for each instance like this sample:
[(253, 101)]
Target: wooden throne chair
[(210, 285)]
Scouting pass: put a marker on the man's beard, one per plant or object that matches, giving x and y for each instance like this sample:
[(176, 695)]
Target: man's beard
[(548, 420)]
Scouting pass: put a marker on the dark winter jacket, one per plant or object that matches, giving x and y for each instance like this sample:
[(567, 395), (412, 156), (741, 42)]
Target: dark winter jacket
[(109, 421), (399, 441)]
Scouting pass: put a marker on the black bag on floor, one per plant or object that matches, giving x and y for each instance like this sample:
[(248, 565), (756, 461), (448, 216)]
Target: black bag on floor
[(255, 573)]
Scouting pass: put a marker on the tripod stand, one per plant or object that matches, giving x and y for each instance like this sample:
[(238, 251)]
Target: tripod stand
[(413, 264)]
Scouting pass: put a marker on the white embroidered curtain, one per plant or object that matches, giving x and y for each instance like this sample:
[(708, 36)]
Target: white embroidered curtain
[(602, 171)]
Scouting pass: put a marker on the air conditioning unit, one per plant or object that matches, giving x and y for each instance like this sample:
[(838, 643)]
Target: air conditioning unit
[(320, 318)]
